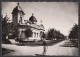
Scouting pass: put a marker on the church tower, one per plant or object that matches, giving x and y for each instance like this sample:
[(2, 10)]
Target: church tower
[(17, 15)]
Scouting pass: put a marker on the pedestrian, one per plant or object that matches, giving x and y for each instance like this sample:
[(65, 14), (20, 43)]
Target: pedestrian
[(44, 47)]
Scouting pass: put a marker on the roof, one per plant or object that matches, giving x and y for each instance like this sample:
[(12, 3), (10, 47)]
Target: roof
[(32, 19), (39, 27)]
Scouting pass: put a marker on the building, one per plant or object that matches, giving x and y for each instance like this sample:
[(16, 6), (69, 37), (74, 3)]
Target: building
[(17, 18)]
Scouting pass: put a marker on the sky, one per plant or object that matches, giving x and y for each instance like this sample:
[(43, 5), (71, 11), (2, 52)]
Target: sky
[(58, 15)]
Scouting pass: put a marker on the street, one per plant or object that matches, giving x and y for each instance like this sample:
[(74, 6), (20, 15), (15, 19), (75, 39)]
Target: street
[(54, 50)]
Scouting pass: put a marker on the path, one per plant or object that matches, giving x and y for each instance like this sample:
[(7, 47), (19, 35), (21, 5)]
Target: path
[(62, 51), (55, 50)]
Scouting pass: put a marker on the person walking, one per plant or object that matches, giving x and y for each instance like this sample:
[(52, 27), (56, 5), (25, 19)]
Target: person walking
[(44, 47)]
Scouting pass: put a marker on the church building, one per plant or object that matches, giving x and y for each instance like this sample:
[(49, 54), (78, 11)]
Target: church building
[(18, 18)]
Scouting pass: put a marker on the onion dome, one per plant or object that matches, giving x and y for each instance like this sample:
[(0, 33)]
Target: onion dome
[(18, 9), (32, 19)]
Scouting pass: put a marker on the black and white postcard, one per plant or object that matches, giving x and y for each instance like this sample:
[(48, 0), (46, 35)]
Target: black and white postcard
[(40, 29)]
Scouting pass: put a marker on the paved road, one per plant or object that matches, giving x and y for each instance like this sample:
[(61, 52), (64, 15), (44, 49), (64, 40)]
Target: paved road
[(55, 50)]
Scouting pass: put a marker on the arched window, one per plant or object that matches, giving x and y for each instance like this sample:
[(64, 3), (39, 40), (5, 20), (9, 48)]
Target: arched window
[(41, 33), (21, 19), (37, 34), (34, 34), (22, 34)]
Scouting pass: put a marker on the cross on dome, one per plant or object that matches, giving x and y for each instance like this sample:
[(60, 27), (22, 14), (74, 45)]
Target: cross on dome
[(41, 21), (6, 14), (32, 14), (18, 3)]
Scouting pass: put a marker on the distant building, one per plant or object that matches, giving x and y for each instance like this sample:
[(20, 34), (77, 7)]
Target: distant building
[(17, 18)]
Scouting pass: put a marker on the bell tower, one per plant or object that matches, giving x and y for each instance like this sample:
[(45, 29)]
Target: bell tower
[(17, 15)]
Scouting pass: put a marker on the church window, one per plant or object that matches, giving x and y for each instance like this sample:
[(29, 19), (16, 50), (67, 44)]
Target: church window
[(34, 34), (21, 19), (37, 34), (21, 14)]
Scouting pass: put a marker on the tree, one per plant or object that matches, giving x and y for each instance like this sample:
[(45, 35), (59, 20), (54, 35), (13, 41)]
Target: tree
[(50, 34), (73, 35), (54, 34), (6, 27), (74, 32), (5, 30), (28, 33), (43, 35)]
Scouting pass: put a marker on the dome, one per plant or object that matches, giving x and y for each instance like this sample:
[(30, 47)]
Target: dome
[(18, 9), (33, 19)]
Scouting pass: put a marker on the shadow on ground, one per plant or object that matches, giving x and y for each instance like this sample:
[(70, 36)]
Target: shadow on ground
[(5, 51)]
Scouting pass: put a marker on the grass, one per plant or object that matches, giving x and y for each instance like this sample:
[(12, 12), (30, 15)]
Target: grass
[(76, 42), (38, 43)]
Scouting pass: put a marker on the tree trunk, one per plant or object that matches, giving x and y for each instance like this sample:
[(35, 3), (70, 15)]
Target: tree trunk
[(28, 41)]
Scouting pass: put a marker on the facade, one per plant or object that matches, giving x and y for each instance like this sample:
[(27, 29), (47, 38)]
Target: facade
[(17, 18)]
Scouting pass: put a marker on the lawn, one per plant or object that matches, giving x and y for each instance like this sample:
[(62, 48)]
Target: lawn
[(38, 43)]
